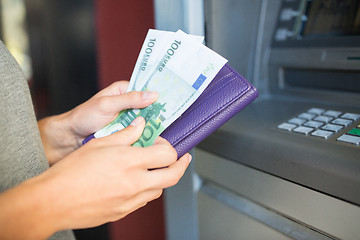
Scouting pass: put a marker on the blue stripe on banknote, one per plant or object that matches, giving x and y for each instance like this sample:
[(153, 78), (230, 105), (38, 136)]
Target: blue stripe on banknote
[(199, 82)]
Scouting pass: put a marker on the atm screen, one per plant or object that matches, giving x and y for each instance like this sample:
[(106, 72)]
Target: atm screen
[(331, 17), (309, 22)]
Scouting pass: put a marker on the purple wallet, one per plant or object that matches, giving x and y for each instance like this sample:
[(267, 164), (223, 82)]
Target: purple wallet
[(226, 95)]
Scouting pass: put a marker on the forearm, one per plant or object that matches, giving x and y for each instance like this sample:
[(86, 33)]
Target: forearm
[(57, 137), (25, 213)]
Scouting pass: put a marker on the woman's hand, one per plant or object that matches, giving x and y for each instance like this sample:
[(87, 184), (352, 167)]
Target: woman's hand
[(102, 181), (64, 133)]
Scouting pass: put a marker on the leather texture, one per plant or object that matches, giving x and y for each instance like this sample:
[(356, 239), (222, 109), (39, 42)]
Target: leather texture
[(226, 95)]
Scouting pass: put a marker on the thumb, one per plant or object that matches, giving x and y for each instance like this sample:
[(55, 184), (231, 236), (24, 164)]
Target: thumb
[(128, 135)]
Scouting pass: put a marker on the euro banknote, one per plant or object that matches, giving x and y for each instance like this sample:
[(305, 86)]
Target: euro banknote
[(180, 71), (153, 45)]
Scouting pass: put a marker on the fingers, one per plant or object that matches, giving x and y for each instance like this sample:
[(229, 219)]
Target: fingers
[(159, 162), (167, 177), (128, 135), (162, 154), (159, 155), (116, 103), (161, 158), (115, 88), (153, 185)]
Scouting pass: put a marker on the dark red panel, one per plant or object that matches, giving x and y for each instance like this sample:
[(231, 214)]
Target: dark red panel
[(121, 29), (147, 223)]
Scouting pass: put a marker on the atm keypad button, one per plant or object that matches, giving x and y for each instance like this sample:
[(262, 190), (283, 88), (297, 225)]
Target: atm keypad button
[(341, 121), (317, 111), (349, 139), (307, 116), (332, 113), (351, 116), (322, 118), (332, 127), (313, 124), (303, 130), (297, 121), (355, 131), (287, 126), (322, 133)]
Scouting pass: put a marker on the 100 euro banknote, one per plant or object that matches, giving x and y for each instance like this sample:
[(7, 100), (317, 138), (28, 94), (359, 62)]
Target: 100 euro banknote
[(154, 44), (184, 68)]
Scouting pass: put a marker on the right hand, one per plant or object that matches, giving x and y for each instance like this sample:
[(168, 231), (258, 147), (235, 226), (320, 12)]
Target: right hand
[(107, 179), (62, 134)]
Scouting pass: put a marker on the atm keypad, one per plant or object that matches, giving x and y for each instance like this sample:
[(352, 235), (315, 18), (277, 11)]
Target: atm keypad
[(324, 123)]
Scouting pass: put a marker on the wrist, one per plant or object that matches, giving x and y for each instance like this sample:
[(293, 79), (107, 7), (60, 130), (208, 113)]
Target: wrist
[(58, 137)]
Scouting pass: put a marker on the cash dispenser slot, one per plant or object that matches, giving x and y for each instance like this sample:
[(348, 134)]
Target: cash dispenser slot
[(318, 79)]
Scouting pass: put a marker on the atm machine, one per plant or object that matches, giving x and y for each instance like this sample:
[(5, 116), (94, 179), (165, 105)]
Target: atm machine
[(288, 165)]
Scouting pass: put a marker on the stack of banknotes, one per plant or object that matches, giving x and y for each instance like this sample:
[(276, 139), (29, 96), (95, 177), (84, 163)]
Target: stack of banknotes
[(177, 66)]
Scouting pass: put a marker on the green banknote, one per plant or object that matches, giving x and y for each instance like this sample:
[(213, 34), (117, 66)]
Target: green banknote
[(183, 69)]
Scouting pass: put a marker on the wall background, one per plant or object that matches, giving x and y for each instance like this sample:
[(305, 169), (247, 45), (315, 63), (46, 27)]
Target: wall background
[(121, 29)]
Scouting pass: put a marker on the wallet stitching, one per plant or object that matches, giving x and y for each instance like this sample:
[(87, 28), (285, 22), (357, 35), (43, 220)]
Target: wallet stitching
[(226, 103)]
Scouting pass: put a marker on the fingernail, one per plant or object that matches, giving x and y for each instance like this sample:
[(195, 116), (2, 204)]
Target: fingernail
[(137, 121), (190, 158), (148, 95)]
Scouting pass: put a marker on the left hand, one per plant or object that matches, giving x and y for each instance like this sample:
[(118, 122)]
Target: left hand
[(64, 133)]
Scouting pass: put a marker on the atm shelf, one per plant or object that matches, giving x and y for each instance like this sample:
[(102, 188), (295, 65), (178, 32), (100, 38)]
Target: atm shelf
[(261, 137)]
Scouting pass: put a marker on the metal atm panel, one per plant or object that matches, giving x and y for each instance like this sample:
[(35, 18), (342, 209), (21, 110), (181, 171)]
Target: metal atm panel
[(252, 179), (305, 126)]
